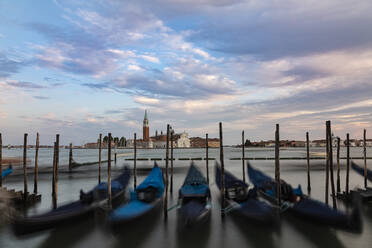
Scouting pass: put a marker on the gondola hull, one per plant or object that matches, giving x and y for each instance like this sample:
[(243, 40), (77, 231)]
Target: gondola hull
[(305, 207), (251, 208), (69, 213)]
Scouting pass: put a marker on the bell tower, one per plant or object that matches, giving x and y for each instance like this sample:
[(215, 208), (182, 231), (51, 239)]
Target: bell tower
[(146, 129)]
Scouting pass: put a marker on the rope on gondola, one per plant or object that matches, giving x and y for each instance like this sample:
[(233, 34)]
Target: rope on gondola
[(173, 207)]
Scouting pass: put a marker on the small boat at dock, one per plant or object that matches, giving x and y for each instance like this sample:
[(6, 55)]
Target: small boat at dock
[(194, 199), (244, 203), (293, 200), (144, 200), (75, 211)]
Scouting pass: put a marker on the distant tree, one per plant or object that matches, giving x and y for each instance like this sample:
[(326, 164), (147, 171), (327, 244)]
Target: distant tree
[(247, 143), (116, 140), (122, 142), (105, 139)]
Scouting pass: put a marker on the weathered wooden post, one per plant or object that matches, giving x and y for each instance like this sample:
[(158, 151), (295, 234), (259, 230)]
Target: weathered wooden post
[(135, 161), (171, 178), (243, 156), (166, 175), (36, 163), (327, 168), (308, 162), (347, 163), (207, 157), (222, 173), (365, 158), (115, 154), (338, 166), (330, 157), (55, 172), (1, 160), (109, 171), (277, 164), (25, 191), (57, 159), (70, 158), (99, 157)]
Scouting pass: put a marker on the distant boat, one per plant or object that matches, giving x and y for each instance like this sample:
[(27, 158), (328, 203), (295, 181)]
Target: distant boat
[(75, 211), (6, 172), (144, 200), (303, 206), (244, 203), (194, 199)]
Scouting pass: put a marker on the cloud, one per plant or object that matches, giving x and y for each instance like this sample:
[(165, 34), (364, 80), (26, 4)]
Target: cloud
[(9, 66), (41, 97), (24, 85)]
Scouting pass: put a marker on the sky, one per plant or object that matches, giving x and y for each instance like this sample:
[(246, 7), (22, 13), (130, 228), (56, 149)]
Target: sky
[(80, 68)]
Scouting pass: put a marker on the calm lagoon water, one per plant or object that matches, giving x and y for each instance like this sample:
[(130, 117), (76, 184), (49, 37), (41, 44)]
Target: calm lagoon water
[(227, 232)]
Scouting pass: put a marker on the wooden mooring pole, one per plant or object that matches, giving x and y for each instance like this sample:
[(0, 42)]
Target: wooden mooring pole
[(338, 166), (171, 177), (1, 161), (99, 157), (243, 156), (365, 158), (206, 157), (166, 175), (109, 171), (115, 154), (308, 162), (135, 161), (36, 163), (330, 157), (327, 169), (347, 163), (223, 203), (70, 158), (55, 172), (25, 191), (277, 164)]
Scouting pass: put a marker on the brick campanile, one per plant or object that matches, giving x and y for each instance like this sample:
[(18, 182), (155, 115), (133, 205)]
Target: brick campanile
[(146, 129)]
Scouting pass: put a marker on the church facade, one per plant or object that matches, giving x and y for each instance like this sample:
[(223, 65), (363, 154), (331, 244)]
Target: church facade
[(158, 140)]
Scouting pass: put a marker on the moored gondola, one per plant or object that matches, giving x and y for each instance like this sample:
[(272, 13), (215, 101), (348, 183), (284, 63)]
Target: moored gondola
[(360, 170), (6, 172), (74, 211), (243, 202), (194, 199), (303, 206), (144, 200)]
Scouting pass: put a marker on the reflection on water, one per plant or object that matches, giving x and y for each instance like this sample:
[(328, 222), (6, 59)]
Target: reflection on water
[(217, 233)]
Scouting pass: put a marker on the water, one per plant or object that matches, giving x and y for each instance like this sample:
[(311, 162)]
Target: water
[(157, 233)]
